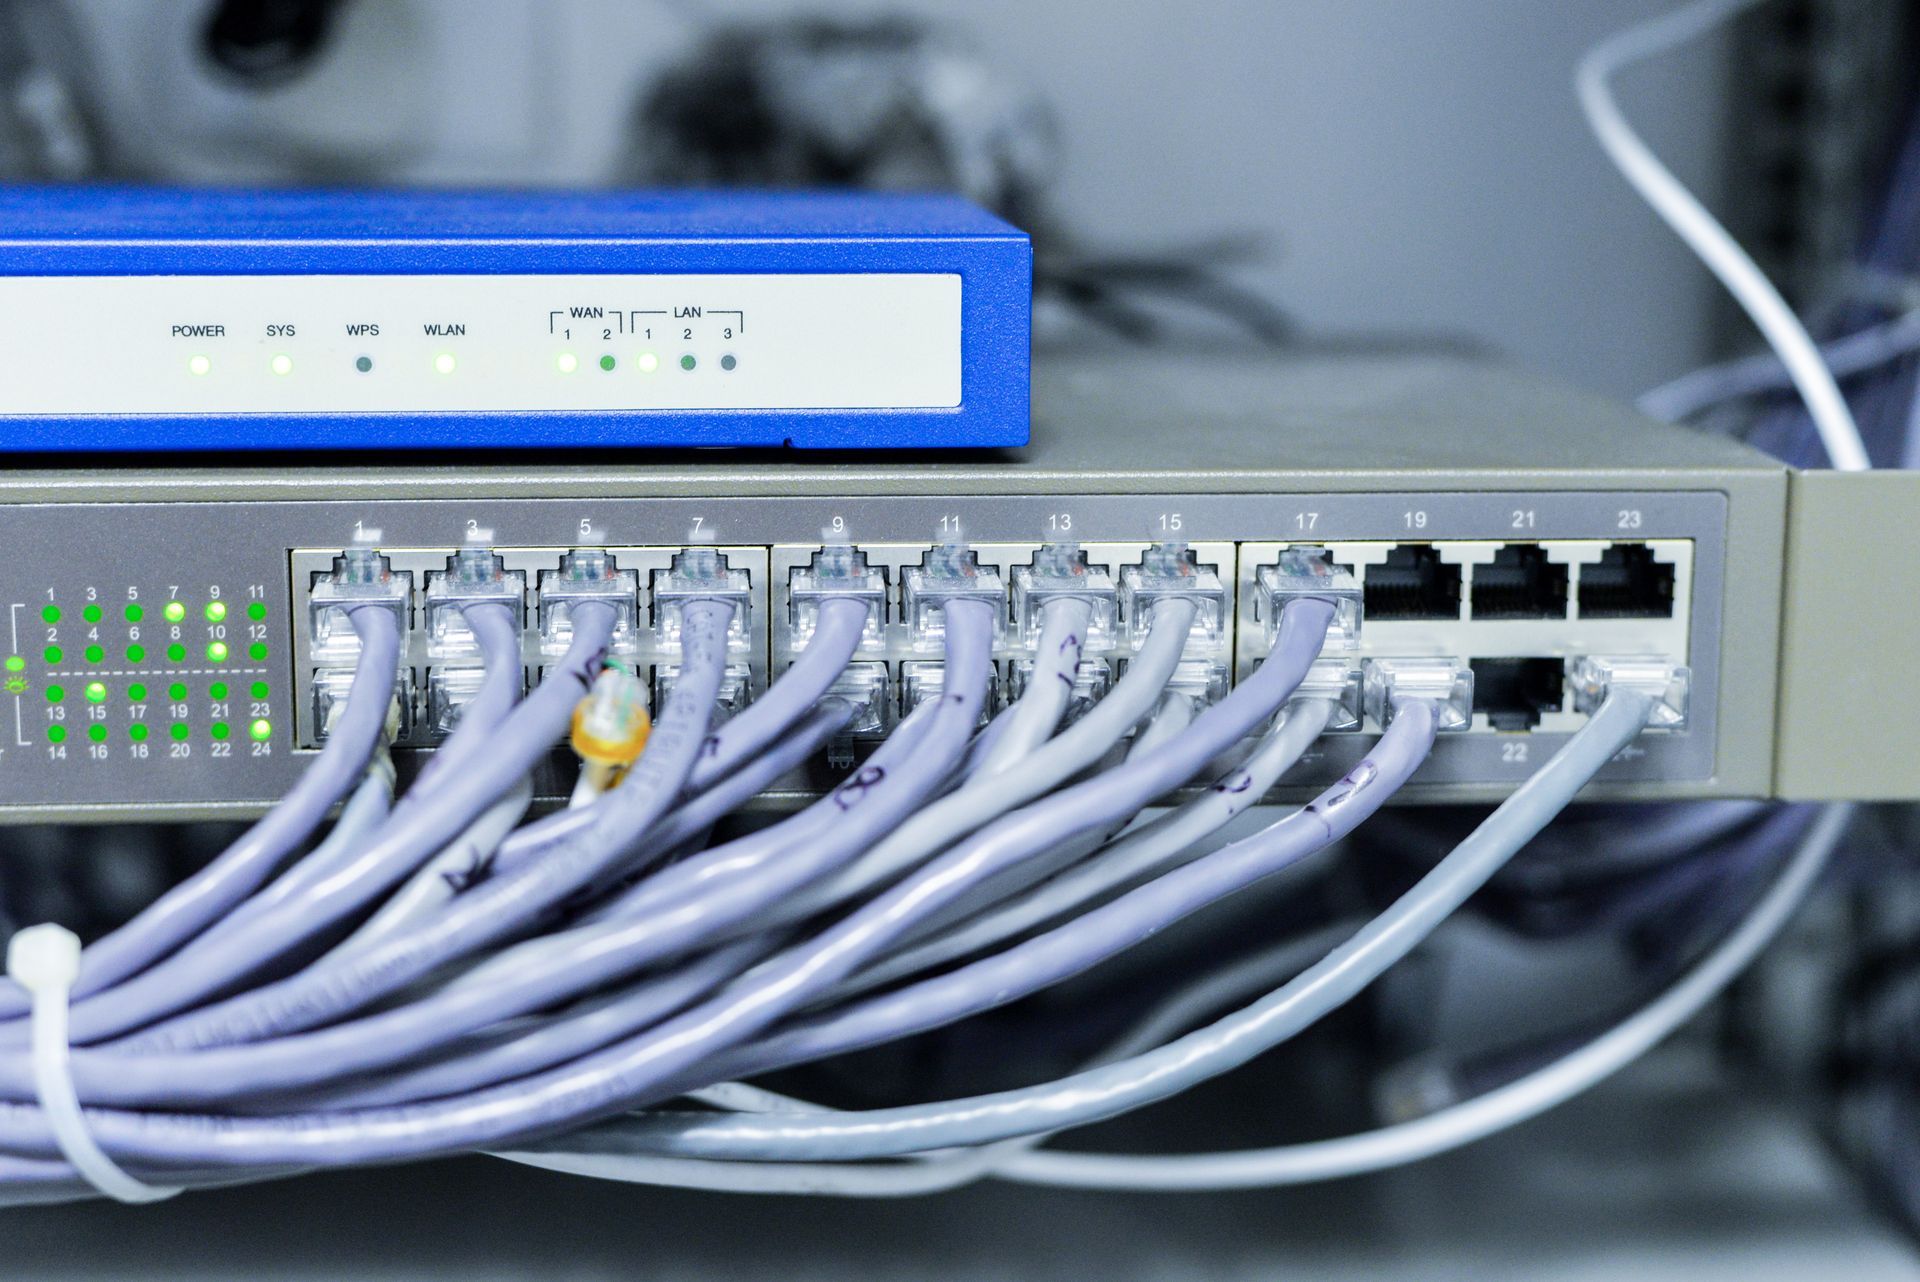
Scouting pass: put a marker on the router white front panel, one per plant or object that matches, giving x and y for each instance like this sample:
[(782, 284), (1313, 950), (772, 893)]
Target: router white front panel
[(87, 345)]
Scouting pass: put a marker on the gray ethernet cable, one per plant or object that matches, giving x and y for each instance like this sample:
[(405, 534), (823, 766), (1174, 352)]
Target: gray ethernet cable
[(1473, 1119), (1149, 850), (1085, 941), (1096, 1094), (209, 894), (401, 844), (637, 1069), (985, 797), (553, 968)]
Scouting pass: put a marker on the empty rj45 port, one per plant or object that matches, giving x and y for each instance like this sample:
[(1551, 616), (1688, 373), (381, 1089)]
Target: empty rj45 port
[(1627, 582), (1514, 692), (1520, 583), (1412, 583)]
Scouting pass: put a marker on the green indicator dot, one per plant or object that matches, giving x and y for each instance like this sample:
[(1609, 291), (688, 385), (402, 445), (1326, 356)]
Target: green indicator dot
[(687, 361), (257, 651), (136, 692), (97, 732), (95, 654), (16, 664), (51, 614), (260, 730), (216, 611), (91, 614), (363, 363), (179, 730), (55, 694), (56, 734), (218, 689), (217, 652), (258, 610), (136, 654), (96, 692), (259, 690), (51, 654), (727, 362), (218, 730), (174, 612), (177, 691), (135, 614), (176, 653), (606, 362), (137, 732)]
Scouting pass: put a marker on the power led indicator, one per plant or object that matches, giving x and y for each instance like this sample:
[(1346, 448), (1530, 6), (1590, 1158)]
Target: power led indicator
[(282, 364), (443, 363), (198, 366), (16, 664)]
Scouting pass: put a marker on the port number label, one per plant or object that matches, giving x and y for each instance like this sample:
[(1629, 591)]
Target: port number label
[(838, 525), (1523, 518), (1629, 518), (1171, 522), (1305, 521), (1514, 753), (1416, 520), (1060, 522)]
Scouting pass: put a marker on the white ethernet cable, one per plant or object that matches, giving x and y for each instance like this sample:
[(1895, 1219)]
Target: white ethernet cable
[(1702, 232)]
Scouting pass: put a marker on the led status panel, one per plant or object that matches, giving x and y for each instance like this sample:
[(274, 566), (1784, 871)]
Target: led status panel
[(166, 320)]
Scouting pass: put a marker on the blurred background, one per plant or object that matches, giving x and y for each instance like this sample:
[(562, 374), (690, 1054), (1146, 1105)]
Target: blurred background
[(1281, 172)]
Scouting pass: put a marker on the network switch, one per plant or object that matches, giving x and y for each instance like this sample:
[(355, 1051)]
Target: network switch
[(166, 654)]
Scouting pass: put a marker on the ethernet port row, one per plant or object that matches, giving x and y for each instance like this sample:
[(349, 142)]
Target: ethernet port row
[(1513, 693), (1520, 583), (1412, 583), (1627, 582)]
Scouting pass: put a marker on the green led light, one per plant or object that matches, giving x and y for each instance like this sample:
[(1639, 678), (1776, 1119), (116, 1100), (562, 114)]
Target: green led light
[(566, 362), (135, 613), (55, 694), (257, 651), (687, 361), (606, 362), (444, 363), (218, 689), (16, 664), (648, 362), (91, 614), (51, 614), (176, 653), (137, 692), (260, 730), (216, 611), (97, 732), (56, 734), (137, 732), (218, 730), (216, 651), (51, 654), (174, 612), (177, 691), (136, 654), (95, 654), (179, 730), (258, 610), (259, 690), (96, 692)]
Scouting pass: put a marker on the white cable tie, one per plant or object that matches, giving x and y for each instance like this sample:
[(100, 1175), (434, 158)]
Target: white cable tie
[(45, 960)]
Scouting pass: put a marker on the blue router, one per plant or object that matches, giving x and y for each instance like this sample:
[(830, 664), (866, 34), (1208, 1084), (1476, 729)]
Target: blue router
[(164, 320)]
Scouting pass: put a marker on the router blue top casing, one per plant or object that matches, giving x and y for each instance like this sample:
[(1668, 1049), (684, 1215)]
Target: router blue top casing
[(145, 319)]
